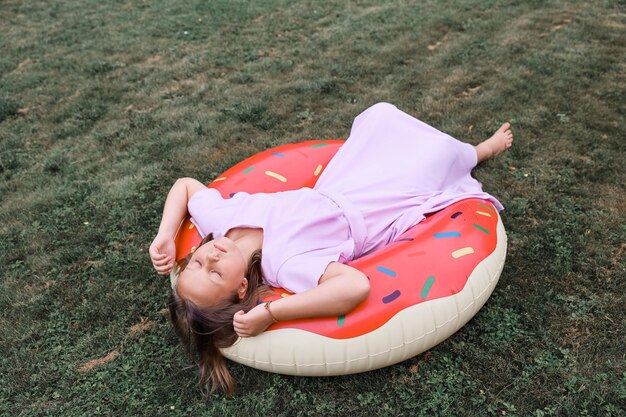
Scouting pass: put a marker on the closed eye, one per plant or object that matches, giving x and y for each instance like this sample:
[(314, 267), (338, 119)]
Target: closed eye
[(212, 271), (196, 264)]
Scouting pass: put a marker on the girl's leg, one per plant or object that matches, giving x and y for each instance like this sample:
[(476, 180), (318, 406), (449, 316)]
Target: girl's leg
[(499, 142)]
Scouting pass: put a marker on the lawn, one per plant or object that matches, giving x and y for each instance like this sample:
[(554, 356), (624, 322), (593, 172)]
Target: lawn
[(103, 104)]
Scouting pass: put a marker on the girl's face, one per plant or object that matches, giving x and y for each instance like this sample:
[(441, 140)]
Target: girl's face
[(215, 271)]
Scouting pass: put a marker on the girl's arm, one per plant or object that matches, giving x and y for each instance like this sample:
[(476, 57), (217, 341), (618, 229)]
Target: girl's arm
[(340, 290), (163, 250)]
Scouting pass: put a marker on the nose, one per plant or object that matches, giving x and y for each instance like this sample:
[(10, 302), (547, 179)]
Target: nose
[(212, 255)]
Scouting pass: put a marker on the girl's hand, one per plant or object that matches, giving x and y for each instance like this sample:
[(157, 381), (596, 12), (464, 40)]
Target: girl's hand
[(163, 254), (253, 322)]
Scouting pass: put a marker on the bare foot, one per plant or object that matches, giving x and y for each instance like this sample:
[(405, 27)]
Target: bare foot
[(498, 143)]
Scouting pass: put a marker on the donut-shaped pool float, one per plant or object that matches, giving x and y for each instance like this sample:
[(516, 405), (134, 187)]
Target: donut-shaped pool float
[(423, 287)]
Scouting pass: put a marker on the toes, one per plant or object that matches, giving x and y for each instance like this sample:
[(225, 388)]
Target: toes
[(506, 126)]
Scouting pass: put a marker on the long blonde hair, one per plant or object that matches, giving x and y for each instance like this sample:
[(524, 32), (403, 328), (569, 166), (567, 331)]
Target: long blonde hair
[(204, 331)]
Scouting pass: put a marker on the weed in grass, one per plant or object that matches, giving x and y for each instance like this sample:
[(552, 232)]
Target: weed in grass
[(55, 163), (254, 113), (8, 108), (501, 326)]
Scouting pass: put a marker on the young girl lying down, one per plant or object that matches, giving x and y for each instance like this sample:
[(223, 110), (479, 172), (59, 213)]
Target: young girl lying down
[(392, 170)]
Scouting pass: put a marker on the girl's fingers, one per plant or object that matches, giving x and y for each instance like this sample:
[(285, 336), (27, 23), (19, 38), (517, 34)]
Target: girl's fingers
[(160, 268), (164, 269), (238, 318), (162, 262), (239, 324), (242, 332), (159, 255)]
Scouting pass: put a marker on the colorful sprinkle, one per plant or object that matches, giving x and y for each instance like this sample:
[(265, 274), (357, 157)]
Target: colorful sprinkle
[(389, 298), (319, 145), (386, 271), (245, 171), (486, 207), (199, 235), (193, 249), (285, 295), (457, 214), (482, 213), (406, 239), (418, 253), (275, 175), (341, 319), (462, 252), (232, 194), (318, 170), (219, 179), (447, 234), (278, 154), (426, 288), (482, 229), (191, 226)]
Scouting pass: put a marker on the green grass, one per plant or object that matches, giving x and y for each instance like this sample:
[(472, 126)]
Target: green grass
[(104, 104)]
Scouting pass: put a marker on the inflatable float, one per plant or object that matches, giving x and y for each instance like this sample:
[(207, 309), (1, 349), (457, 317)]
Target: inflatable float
[(424, 286)]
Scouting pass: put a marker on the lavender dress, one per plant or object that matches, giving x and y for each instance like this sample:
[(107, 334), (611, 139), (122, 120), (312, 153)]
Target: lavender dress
[(392, 170)]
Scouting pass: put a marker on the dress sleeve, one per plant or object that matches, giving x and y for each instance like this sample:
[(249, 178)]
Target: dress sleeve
[(206, 208), (303, 271)]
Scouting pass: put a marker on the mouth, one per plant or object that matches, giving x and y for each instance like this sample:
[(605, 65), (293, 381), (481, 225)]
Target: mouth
[(220, 248)]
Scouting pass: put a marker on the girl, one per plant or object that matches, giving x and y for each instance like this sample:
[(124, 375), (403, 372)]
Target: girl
[(391, 171)]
